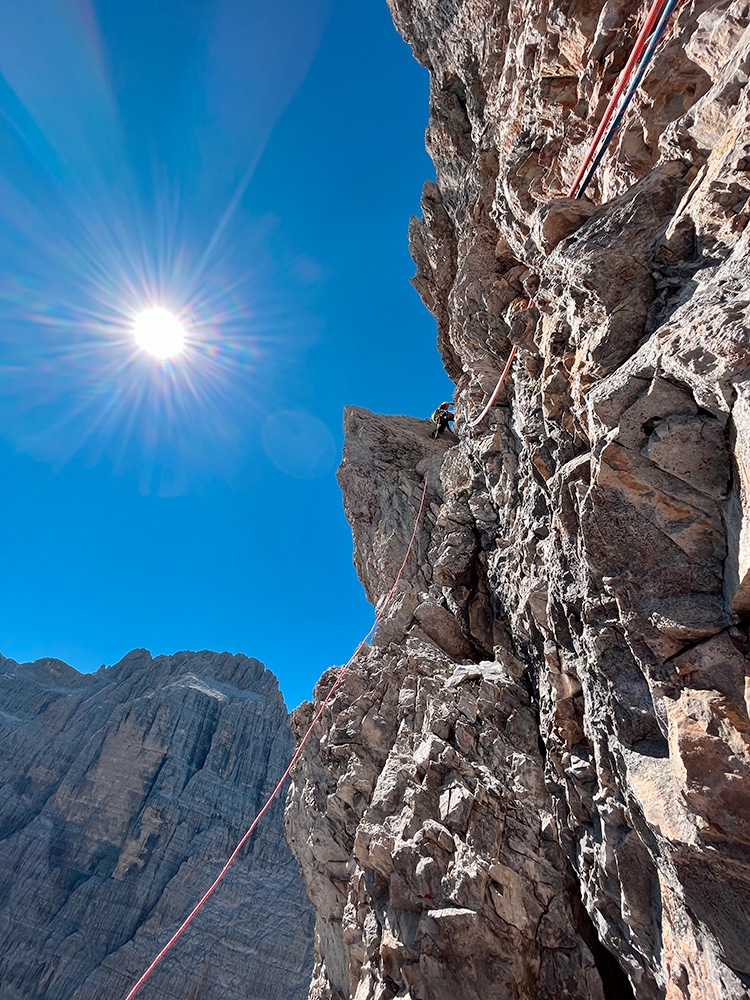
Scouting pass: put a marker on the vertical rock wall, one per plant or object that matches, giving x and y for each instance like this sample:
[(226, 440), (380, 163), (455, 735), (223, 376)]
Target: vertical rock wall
[(536, 782), (123, 793)]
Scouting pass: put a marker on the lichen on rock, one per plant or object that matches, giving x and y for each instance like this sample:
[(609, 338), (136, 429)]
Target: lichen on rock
[(536, 781)]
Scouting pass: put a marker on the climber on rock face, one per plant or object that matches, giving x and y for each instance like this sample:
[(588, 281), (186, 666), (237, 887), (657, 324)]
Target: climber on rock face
[(442, 417)]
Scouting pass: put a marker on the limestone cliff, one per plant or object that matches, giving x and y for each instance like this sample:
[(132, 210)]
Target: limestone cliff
[(123, 793), (536, 782)]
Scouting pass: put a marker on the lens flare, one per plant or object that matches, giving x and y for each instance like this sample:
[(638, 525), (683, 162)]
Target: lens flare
[(159, 333)]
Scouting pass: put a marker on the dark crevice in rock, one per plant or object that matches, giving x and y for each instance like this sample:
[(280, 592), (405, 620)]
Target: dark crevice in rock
[(615, 982), (689, 646)]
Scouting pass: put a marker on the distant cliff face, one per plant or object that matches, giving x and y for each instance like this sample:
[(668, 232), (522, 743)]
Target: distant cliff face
[(537, 782), (123, 793)]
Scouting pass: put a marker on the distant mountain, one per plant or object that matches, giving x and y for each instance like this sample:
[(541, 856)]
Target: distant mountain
[(123, 793)]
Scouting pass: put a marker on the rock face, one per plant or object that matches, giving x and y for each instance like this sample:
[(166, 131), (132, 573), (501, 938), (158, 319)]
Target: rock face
[(123, 794), (536, 782)]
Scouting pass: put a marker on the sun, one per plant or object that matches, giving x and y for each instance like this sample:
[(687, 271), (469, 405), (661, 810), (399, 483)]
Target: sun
[(160, 333)]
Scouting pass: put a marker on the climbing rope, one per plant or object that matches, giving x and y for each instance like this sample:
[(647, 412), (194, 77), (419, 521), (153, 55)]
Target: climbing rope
[(649, 37), (493, 397), (652, 31), (635, 81), (643, 50), (295, 757)]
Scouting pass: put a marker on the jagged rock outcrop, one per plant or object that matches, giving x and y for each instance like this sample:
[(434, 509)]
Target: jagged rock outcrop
[(123, 794), (419, 813), (536, 782)]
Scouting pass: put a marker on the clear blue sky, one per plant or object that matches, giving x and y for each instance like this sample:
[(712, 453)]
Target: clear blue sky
[(252, 165)]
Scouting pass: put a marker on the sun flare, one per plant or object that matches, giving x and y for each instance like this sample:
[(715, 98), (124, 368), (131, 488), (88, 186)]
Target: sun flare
[(159, 333)]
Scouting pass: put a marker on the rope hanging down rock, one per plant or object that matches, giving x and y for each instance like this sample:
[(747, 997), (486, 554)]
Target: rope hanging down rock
[(643, 50), (295, 757), (493, 397)]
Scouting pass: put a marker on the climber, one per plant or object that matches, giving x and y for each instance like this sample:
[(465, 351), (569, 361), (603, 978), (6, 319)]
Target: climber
[(442, 417)]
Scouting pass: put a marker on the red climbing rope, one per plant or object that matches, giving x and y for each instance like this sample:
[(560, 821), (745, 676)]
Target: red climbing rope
[(640, 44), (634, 82), (493, 397), (295, 757), (653, 21)]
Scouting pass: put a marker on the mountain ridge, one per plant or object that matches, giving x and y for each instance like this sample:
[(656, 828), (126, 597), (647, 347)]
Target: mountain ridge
[(125, 792)]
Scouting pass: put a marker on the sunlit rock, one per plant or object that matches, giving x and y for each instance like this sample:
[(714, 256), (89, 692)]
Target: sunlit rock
[(554, 799)]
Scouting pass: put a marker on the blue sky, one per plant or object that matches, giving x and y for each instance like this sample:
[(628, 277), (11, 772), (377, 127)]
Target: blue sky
[(251, 165)]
